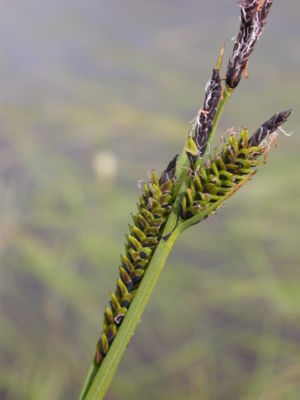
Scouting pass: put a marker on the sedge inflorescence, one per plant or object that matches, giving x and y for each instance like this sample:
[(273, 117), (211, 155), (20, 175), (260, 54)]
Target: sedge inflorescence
[(217, 179), (154, 206), (205, 118), (254, 15), (208, 183), (212, 182)]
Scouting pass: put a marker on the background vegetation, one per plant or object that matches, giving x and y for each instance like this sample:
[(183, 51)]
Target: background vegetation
[(114, 80)]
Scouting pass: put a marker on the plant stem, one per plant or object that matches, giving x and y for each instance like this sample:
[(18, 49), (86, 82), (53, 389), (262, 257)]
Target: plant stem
[(92, 372), (226, 96)]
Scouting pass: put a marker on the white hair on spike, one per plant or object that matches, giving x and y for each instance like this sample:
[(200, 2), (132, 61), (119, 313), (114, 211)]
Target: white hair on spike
[(253, 19), (207, 85), (285, 132)]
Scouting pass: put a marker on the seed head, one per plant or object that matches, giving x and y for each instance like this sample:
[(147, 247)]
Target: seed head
[(169, 173), (205, 117), (253, 18), (264, 132), (154, 206)]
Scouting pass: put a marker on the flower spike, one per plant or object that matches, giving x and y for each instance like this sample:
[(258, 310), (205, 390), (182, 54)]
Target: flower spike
[(264, 132), (253, 19)]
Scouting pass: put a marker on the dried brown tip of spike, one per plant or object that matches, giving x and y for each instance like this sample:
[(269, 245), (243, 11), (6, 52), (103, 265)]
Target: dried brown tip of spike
[(253, 5), (265, 8), (253, 19), (205, 117), (269, 127)]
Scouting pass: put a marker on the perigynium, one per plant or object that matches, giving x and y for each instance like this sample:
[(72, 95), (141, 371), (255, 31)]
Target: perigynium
[(192, 187)]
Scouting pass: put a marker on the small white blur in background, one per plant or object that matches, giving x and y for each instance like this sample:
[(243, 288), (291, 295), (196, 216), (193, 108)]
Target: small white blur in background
[(106, 165)]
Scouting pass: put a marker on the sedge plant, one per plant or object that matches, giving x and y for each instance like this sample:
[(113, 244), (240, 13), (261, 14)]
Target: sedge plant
[(191, 188)]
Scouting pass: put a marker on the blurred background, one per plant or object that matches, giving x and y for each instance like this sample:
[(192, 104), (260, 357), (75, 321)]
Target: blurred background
[(93, 94)]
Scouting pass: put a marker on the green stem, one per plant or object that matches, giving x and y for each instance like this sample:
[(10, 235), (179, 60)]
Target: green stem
[(92, 372), (110, 363), (226, 96)]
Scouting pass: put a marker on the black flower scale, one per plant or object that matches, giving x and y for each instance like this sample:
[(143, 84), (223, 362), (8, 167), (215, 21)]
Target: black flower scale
[(154, 206)]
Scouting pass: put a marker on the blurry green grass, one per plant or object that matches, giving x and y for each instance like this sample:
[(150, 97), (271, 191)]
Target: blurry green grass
[(224, 321)]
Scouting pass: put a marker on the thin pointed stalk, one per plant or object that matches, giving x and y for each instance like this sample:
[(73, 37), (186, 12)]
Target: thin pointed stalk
[(90, 376), (220, 58)]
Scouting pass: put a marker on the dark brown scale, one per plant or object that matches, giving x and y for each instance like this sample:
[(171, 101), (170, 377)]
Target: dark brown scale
[(141, 222), (101, 349), (150, 242), (130, 245), (198, 196), (223, 178), (128, 284), (125, 302), (127, 266), (189, 214), (187, 199), (119, 292), (143, 255), (112, 306), (139, 266), (119, 318), (137, 276), (111, 333), (239, 164), (130, 257), (168, 174)]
